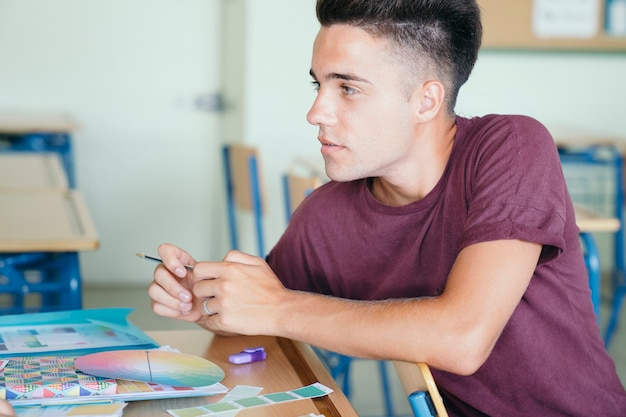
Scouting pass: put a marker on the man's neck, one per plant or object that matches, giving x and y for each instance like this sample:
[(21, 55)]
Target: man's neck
[(420, 179)]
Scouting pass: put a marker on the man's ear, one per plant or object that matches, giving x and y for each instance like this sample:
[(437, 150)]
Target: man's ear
[(430, 98)]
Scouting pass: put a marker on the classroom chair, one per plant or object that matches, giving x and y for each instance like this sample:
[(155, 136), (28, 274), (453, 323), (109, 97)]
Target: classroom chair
[(295, 189), (243, 190), (594, 177), (420, 389)]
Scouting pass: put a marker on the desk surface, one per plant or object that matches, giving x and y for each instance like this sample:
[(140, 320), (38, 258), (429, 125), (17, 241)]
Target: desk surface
[(591, 221), (29, 171), (289, 365), (37, 210), (45, 222)]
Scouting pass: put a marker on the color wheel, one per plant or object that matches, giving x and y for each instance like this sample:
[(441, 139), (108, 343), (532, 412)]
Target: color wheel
[(156, 366)]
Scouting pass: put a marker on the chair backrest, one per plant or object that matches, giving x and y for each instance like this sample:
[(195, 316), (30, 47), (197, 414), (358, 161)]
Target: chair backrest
[(243, 190), (595, 180), (296, 188), (416, 379)]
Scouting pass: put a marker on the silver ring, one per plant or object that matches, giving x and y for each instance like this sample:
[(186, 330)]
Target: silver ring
[(206, 310)]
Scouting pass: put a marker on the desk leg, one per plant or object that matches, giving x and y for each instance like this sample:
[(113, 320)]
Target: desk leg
[(66, 276), (592, 261)]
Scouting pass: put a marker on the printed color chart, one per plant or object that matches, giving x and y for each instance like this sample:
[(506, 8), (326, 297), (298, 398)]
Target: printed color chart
[(49, 377)]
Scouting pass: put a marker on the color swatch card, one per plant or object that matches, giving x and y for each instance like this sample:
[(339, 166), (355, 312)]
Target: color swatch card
[(310, 391), (31, 377)]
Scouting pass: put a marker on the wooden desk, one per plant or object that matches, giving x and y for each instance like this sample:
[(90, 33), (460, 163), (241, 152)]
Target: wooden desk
[(28, 122), (25, 171), (45, 222), (38, 213), (289, 365), (589, 221), (39, 132)]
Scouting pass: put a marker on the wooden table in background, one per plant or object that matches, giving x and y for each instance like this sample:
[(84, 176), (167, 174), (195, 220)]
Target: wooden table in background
[(289, 365), (15, 122), (44, 224), (589, 221), (38, 212)]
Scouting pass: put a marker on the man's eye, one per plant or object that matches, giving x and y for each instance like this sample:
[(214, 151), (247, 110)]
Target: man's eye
[(316, 85), (349, 90)]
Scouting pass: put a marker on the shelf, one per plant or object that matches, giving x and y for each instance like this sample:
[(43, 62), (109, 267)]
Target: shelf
[(507, 25)]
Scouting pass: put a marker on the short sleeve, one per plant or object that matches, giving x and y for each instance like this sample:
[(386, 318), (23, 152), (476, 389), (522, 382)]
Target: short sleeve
[(516, 188)]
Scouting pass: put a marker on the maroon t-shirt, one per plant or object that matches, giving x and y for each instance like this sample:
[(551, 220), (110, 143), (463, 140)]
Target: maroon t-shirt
[(503, 181)]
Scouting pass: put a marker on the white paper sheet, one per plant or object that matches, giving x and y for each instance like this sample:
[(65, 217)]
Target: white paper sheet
[(565, 18)]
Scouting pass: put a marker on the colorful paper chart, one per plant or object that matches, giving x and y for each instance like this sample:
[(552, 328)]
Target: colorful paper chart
[(156, 366), (31, 377)]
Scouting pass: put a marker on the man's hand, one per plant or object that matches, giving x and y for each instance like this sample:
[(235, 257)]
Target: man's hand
[(239, 294), (171, 289)]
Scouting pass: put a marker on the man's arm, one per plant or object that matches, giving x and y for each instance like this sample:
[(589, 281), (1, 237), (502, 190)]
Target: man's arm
[(455, 331)]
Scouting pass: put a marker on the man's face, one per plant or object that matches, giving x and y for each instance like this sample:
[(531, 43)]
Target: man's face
[(363, 113)]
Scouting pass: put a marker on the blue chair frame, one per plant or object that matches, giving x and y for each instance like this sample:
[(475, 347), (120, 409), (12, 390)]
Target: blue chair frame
[(609, 156), (592, 262), (339, 366), (421, 389), (288, 193), (254, 187), (59, 284), (618, 280)]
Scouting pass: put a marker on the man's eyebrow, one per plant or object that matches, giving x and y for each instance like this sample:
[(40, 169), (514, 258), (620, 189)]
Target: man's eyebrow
[(339, 76)]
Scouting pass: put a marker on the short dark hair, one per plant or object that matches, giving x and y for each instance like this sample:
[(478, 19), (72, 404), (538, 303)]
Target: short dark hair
[(443, 35)]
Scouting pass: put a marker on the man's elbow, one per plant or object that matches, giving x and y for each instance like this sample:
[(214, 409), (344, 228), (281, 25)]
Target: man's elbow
[(466, 364), (466, 353)]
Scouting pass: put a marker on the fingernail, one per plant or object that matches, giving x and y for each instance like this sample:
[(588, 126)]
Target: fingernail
[(184, 297), (180, 272), (185, 308)]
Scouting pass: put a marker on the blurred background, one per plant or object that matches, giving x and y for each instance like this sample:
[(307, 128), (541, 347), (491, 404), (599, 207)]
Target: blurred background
[(156, 87)]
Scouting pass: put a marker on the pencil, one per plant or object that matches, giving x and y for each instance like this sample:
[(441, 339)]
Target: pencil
[(155, 259)]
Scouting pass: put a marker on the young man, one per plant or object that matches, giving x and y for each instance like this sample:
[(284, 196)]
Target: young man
[(441, 239)]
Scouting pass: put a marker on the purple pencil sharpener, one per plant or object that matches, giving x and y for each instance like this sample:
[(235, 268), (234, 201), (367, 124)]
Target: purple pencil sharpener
[(248, 355)]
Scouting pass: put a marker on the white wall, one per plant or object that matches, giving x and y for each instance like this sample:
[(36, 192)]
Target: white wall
[(573, 94), (147, 178), (147, 159)]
